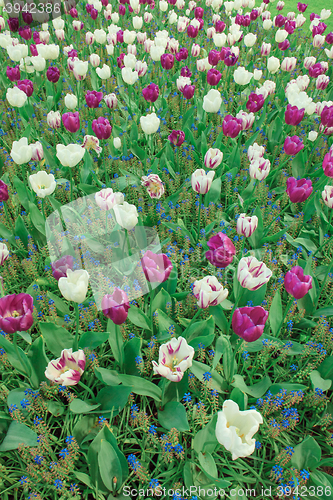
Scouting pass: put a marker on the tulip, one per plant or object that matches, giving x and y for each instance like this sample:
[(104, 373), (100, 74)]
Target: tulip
[(154, 185), (111, 101), (259, 168), (273, 65), (325, 13), (289, 64), (42, 183), (201, 182), (284, 46), (247, 119), (231, 126), (298, 190), (214, 57), (221, 250), (16, 97), (322, 82), (4, 196), (296, 284), (126, 215), (328, 164), (70, 155), (53, 74), (71, 121), (213, 77), (249, 322), (107, 199), (327, 196), (21, 152), (16, 312), (156, 267), (53, 119), (167, 61), (59, 267), (293, 115), (302, 7), (68, 369), (312, 136), (182, 81), (102, 128), (246, 225), (175, 357), (151, 92), (255, 102), (115, 306), (265, 49), (209, 292), (117, 142), (252, 274), (26, 86), (150, 123), (13, 74), (242, 76), (195, 50), (213, 158), (70, 101), (177, 137), (255, 152), (327, 116), (4, 253), (329, 38), (104, 73), (293, 145), (212, 101), (235, 429), (93, 98), (75, 286)]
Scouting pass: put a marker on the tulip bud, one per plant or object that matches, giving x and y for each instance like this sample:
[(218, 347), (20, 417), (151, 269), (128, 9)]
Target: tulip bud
[(53, 119), (246, 225), (201, 182), (252, 274), (296, 283), (249, 322), (213, 158)]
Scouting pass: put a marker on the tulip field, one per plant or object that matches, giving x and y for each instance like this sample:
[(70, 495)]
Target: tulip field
[(166, 249)]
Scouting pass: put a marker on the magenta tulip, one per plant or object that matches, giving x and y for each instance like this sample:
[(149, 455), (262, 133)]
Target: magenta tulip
[(231, 126), (188, 91), (93, 98), (213, 77), (329, 38), (327, 116), (293, 115), (167, 61), (71, 121), (13, 74), (59, 267), (27, 86), (296, 284), (4, 196), (185, 71), (328, 164), (192, 31), (115, 306), (255, 102), (298, 190), (16, 312), (293, 145), (279, 21), (53, 74), (177, 137), (214, 57), (102, 128), (249, 322), (151, 92), (302, 7), (156, 266), (221, 250)]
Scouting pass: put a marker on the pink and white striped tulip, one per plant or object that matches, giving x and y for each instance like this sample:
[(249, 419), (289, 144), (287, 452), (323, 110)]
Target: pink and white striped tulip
[(201, 182), (209, 292), (175, 357), (246, 225), (213, 158), (252, 274), (68, 369)]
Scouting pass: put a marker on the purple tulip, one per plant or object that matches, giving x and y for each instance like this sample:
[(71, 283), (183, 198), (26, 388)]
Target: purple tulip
[(302, 7), (151, 92), (192, 31), (239, 19), (231, 126), (25, 32), (284, 45), (102, 128), (120, 61), (115, 306), (27, 86), (167, 61), (328, 164), (246, 21), (122, 10), (316, 70), (221, 250), (279, 21), (249, 322), (314, 16), (186, 72), (120, 36), (254, 14), (4, 196), (220, 26), (53, 74), (13, 74), (93, 98), (214, 57), (296, 284), (27, 17), (199, 12), (290, 26), (71, 121), (13, 24), (188, 91), (16, 312), (59, 267), (89, 7), (213, 77), (329, 38), (177, 137), (230, 58), (74, 13), (72, 53), (298, 190), (327, 116), (94, 14), (156, 266), (319, 30), (182, 55), (293, 115), (293, 145), (255, 102)]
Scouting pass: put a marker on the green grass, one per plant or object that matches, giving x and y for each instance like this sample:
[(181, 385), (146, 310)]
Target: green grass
[(315, 6)]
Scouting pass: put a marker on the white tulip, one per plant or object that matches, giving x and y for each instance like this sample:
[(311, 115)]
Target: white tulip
[(150, 123), (70, 155), (70, 101), (21, 151), (104, 73), (16, 97), (42, 183), (75, 286), (212, 101), (126, 215)]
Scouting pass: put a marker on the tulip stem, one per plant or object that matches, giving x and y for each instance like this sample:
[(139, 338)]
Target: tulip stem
[(289, 303), (77, 324), (199, 214), (84, 386), (71, 181)]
